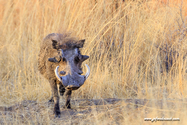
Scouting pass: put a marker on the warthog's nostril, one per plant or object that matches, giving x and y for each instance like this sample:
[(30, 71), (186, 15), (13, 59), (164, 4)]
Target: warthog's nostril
[(62, 72), (80, 72)]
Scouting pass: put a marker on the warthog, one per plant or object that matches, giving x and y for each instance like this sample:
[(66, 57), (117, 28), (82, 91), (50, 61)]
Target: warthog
[(61, 52)]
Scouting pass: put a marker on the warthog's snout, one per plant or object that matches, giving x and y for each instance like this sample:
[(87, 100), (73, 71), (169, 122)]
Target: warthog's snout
[(73, 81)]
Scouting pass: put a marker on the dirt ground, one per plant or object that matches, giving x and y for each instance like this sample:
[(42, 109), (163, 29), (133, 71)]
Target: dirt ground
[(95, 111)]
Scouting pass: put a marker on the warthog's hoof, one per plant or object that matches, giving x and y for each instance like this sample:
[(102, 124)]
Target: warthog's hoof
[(57, 110), (67, 107), (51, 100), (57, 114)]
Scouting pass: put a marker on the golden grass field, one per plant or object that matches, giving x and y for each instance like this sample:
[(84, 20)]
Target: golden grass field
[(131, 46)]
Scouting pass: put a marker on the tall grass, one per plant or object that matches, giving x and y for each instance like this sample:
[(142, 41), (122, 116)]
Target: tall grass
[(131, 45)]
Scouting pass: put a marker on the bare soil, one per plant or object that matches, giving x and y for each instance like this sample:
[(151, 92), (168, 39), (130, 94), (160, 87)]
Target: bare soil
[(91, 111)]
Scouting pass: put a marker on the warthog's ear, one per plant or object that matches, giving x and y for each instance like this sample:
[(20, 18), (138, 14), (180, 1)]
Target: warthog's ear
[(54, 44), (80, 43), (54, 59), (84, 57)]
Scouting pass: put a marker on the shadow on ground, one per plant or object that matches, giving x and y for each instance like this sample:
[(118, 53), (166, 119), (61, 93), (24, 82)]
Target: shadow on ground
[(96, 111)]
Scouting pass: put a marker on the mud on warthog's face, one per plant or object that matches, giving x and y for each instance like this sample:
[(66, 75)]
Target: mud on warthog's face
[(70, 74)]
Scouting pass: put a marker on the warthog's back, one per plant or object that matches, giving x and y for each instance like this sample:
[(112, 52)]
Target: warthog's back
[(46, 52)]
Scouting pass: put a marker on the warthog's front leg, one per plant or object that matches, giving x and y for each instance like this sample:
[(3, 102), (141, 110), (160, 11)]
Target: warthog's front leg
[(68, 98), (61, 89), (51, 100), (55, 97)]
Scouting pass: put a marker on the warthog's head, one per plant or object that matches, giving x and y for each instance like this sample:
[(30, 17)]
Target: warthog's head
[(71, 59)]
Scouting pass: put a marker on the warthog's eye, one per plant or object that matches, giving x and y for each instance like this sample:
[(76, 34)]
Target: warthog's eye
[(76, 60), (63, 59)]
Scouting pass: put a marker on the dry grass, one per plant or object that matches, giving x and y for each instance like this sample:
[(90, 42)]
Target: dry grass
[(131, 45)]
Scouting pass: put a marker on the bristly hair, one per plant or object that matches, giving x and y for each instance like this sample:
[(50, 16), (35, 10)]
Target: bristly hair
[(65, 41)]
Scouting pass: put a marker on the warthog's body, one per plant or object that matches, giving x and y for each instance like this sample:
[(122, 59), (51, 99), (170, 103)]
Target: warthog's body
[(62, 51)]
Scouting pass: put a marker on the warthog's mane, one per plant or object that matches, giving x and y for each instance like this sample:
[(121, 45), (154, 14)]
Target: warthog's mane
[(65, 41)]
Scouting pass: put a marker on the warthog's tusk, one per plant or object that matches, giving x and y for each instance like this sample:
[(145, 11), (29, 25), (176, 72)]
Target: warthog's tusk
[(57, 75), (88, 71)]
